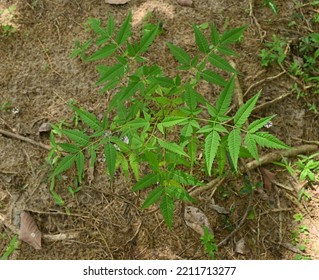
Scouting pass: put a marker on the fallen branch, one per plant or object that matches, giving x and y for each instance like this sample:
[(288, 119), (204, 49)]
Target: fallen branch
[(25, 139)]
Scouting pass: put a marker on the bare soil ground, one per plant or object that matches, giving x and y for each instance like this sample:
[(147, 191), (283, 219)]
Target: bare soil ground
[(104, 220)]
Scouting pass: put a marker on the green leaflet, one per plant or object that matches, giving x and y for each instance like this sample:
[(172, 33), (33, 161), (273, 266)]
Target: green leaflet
[(77, 136), (213, 78), (185, 178), (173, 147), (226, 51), (251, 146), (268, 140), (147, 181), (110, 73), (181, 56), (187, 131), (167, 208), (148, 38), (257, 124), (221, 63), (125, 30), (106, 51), (190, 97), (110, 157), (201, 40), (211, 145), (225, 97), (124, 94), (134, 166), (176, 191), (214, 34), (68, 147), (153, 197), (13, 245), (88, 118), (173, 120), (244, 111), (80, 162), (64, 164), (234, 143), (232, 35), (110, 26)]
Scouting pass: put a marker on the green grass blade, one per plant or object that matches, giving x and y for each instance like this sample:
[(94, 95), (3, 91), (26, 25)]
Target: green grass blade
[(211, 145)]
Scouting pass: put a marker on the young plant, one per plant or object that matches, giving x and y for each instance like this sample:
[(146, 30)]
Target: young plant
[(6, 17), (209, 243), (159, 122), (13, 245), (271, 4)]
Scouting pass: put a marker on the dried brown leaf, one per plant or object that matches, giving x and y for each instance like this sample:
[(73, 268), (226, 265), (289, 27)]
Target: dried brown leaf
[(29, 231), (196, 219), (117, 2), (187, 3), (268, 177), (45, 127), (219, 209), (241, 247)]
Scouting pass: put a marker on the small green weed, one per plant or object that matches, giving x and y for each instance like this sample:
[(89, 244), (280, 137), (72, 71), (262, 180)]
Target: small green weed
[(6, 17), (157, 121), (209, 243), (299, 237), (13, 245), (271, 4)]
